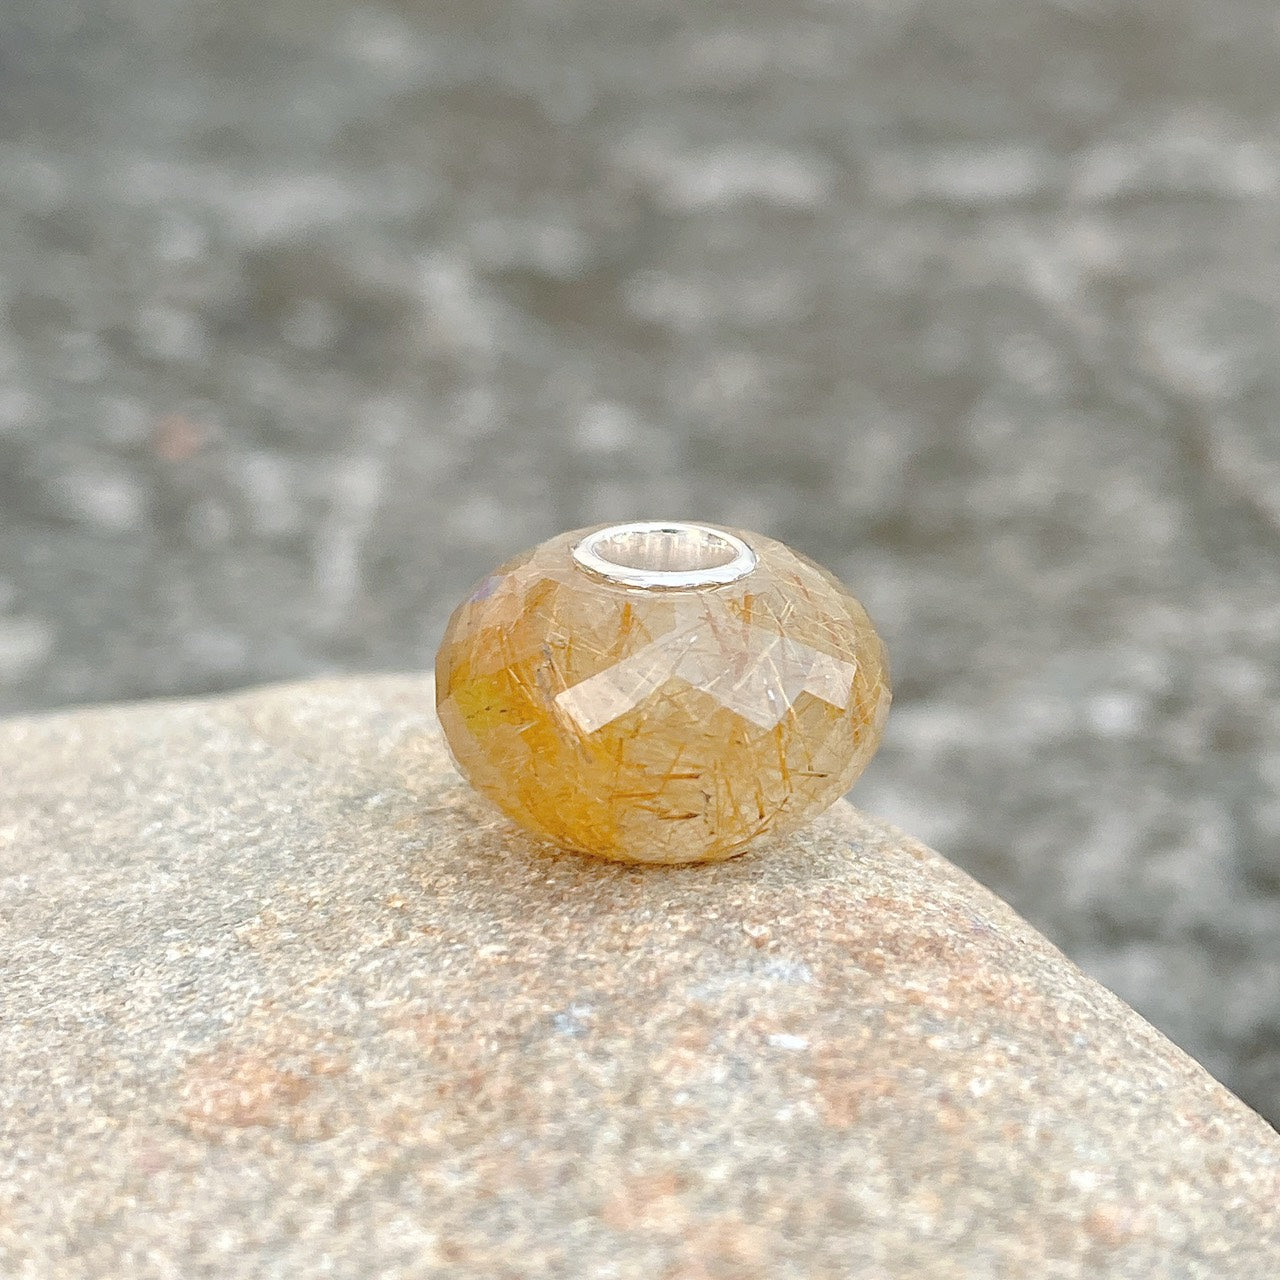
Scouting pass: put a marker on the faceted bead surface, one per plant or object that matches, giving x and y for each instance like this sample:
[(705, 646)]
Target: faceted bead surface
[(665, 726)]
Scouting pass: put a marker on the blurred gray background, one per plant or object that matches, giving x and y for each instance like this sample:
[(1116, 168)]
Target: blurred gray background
[(311, 311)]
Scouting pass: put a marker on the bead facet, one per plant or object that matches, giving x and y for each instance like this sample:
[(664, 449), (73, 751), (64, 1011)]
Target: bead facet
[(661, 692)]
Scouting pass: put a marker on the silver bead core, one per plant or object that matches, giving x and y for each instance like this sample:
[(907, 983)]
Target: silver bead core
[(665, 555)]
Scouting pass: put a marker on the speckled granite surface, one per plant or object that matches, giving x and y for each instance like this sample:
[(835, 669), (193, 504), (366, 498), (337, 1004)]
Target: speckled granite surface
[(282, 998), (313, 310)]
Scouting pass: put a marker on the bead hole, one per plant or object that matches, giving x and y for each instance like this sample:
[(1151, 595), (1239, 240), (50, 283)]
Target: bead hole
[(666, 550), (653, 554)]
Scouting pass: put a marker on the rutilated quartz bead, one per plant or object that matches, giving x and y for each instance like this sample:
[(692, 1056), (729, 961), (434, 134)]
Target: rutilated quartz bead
[(661, 692)]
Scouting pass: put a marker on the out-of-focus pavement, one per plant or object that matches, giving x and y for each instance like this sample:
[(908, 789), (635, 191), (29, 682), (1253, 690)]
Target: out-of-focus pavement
[(312, 311)]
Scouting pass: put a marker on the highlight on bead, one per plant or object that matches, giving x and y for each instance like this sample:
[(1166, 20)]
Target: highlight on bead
[(661, 692)]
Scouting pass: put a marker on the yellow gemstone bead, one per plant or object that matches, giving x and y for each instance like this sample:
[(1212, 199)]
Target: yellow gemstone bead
[(661, 693)]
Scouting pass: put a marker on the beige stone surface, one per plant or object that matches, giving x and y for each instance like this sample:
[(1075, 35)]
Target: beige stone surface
[(282, 999)]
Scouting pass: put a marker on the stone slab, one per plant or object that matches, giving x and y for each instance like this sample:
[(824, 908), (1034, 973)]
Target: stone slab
[(281, 998)]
